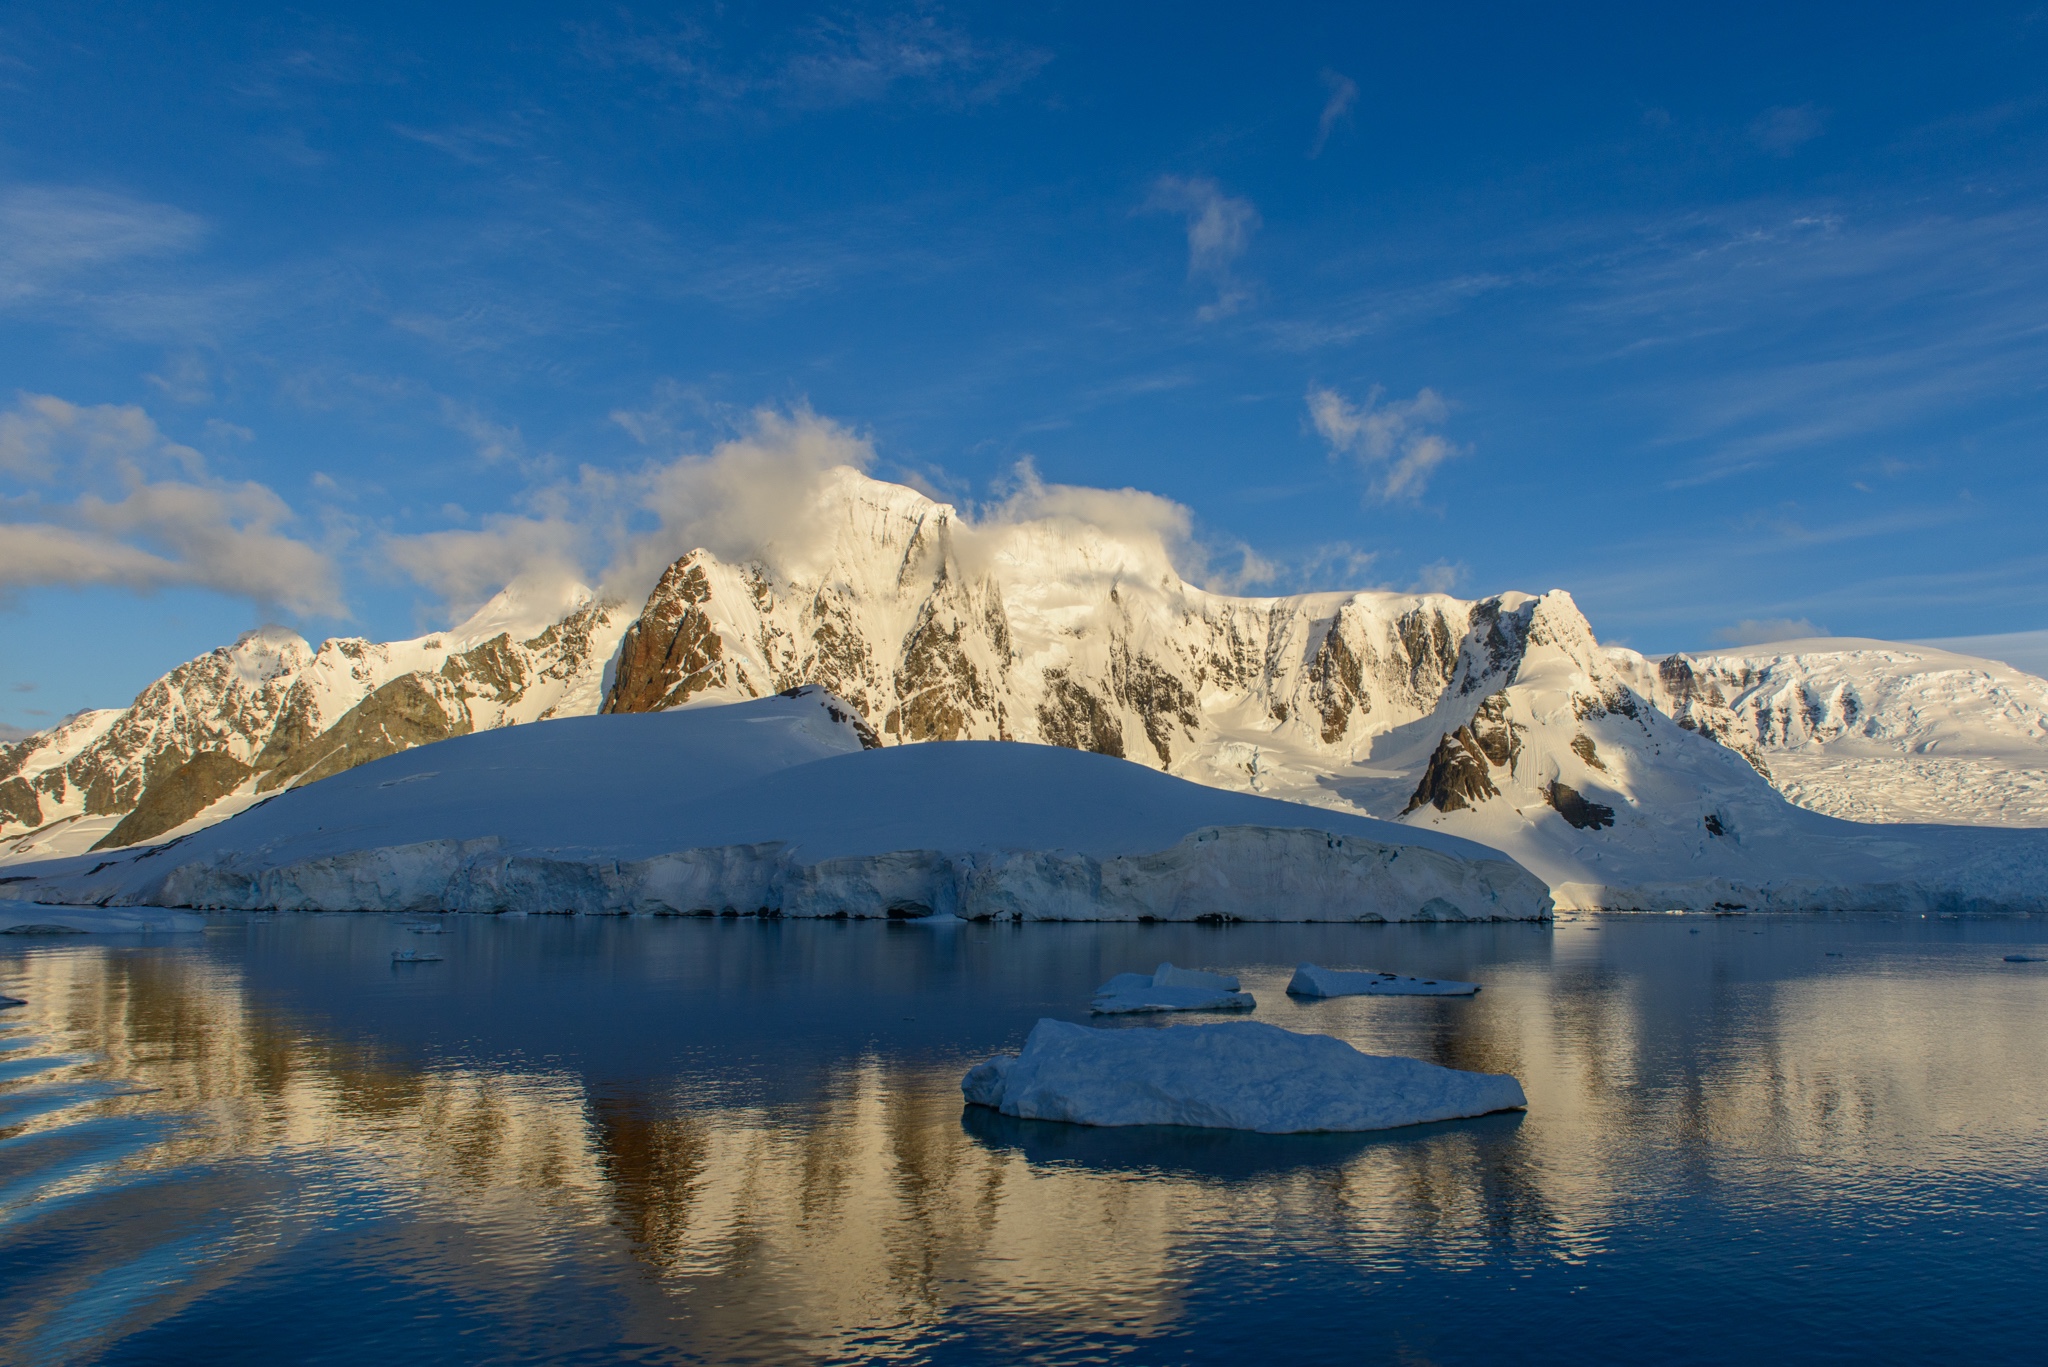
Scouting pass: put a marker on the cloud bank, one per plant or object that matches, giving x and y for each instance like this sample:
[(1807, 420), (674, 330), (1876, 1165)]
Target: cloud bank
[(759, 497), (98, 495)]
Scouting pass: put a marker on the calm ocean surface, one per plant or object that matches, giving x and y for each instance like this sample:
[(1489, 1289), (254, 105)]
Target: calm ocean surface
[(581, 1140)]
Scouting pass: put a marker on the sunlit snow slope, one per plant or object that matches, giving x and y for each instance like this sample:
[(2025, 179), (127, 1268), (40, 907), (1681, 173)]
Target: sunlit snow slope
[(1873, 730), (778, 807)]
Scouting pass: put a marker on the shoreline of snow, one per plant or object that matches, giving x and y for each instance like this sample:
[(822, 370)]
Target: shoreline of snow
[(1240, 873), (778, 807)]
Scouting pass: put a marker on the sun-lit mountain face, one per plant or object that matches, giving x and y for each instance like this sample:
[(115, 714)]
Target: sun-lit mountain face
[(1502, 719)]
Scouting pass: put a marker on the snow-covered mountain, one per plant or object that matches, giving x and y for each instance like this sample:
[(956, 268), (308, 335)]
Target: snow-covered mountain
[(221, 731), (1870, 730), (1501, 719), (787, 806)]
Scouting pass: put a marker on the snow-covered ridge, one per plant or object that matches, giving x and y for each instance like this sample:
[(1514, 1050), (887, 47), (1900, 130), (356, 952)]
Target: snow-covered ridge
[(1501, 719), (1870, 730), (782, 806), (221, 731)]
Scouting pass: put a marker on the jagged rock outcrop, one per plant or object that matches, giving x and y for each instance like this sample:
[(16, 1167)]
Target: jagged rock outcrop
[(1061, 633), (1456, 777), (413, 709), (1574, 808), (673, 651), (176, 798)]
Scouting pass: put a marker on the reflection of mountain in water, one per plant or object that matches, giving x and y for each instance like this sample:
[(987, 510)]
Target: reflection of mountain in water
[(1215, 1155), (728, 1141)]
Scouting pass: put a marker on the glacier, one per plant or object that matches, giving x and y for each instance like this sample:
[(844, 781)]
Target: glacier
[(1241, 1075), (783, 806)]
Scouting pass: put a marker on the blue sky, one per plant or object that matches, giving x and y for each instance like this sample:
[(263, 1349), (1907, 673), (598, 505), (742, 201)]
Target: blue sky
[(1722, 317)]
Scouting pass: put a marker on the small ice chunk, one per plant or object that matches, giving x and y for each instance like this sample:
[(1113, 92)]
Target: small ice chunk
[(1170, 989), (983, 1084), (1244, 1075), (1312, 981), (7, 1002), (1166, 975), (1125, 982), (2023, 959)]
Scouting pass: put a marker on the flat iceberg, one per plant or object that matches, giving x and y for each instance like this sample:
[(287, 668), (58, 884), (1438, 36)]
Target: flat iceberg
[(1312, 981), (1167, 988), (1243, 1075)]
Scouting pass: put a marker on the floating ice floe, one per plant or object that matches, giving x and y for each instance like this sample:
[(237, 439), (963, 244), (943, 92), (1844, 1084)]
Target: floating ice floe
[(2023, 959), (1167, 988), (1243, 1075), (1312, 981), (414, 956)]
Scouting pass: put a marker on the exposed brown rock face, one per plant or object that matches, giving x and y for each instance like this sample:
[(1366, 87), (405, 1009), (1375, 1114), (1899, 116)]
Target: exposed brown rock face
[(1498, 735), (492, 670), (177, 797), (1573, 807), (296, 728), (673, 651), (19, 803), (939, 686), (1431, 648), (1336, 683), (1078, 719), (413, 709), (1586, 750), (1160, 700), (1456, 777), (1697, 703)]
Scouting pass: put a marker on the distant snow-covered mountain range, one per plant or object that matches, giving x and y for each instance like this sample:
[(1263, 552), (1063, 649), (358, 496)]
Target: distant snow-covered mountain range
[(1616, 778)]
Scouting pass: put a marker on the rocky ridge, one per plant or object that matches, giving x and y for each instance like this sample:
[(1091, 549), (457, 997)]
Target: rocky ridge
[(270, 711)]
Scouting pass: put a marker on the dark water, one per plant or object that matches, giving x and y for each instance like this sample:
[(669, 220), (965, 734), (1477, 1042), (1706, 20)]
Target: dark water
[(581, 1140)]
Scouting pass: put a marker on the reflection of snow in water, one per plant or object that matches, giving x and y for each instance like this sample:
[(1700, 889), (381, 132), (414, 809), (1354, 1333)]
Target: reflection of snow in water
[(710, 1166)]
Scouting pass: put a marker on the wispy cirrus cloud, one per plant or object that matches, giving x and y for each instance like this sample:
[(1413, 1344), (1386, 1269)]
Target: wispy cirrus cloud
[(49, 235), (1343, 94), (1392, 441), (833, 62), (1751, 631), (1219, 228), (1783, 130)]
